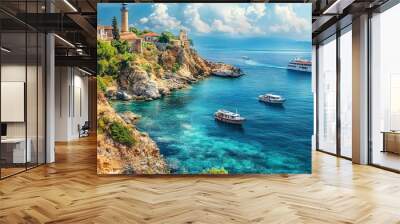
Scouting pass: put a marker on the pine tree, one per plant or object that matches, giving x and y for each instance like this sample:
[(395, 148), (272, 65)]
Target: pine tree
[(115, 30)]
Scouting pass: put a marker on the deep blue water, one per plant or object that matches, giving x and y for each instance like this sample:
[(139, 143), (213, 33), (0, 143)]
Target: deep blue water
[(274, 139)]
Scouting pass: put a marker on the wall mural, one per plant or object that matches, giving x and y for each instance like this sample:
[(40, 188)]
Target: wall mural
[(204, 88)]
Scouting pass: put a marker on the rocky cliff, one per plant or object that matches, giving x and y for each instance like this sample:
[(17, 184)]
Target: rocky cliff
[(121, 148), (157, 72)]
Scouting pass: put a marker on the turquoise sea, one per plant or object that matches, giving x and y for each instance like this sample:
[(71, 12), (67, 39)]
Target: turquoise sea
[(274, 139)]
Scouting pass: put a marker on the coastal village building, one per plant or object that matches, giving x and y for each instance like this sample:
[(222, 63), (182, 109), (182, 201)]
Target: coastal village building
[(104, 32), (151, 37), (183, 37)]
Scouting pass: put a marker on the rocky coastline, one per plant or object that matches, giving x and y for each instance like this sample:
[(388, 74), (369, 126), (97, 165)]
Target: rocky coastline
[(166, 70), (117, 155)]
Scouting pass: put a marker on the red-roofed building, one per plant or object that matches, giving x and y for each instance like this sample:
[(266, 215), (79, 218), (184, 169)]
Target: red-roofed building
[(151, 37), (104, 32)]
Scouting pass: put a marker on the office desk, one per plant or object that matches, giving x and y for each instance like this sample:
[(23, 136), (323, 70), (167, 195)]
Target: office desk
[(391, 141), (13, 150)]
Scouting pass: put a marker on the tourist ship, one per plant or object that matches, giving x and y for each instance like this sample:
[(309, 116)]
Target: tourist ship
[(271, 98), (229, 117), (300, 65)]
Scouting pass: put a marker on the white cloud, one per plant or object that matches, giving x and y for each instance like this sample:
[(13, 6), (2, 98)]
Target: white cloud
[(256, 9), (218, 25), (290, 22), (160, 19), (236, 19), (193, 17), (143, 20)]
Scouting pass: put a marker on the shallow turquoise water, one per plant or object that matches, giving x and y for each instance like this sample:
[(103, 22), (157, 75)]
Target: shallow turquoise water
[(274, 139)]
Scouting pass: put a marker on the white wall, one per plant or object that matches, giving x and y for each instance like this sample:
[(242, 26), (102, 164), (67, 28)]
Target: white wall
[(71, 102)]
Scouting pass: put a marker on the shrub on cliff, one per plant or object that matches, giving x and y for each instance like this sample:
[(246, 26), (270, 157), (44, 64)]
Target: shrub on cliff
[(121, 134), (175, 67), (215, 170), (121, 46), (147, 67), (100, 85)]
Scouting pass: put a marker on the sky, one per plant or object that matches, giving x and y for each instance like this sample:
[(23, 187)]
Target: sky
[(222, 20)]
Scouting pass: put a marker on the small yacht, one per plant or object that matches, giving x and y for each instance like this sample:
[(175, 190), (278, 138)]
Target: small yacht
[(245, 57), (300, 65), (229, 117), (271, 98)]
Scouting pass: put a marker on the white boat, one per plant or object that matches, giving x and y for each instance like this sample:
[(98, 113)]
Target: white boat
[(271, 98), (228, 73), (229, 117), (300, 65), (245, 57)]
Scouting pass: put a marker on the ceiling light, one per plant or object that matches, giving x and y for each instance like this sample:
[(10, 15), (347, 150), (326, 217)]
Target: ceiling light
[(337, 7), (64, 40), (331, 7), (70, 5), (5, 50), (86, 72)]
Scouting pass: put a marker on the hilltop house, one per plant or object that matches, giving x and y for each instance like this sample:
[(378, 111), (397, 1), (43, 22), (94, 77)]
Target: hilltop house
[(151, 37), (104, 32)]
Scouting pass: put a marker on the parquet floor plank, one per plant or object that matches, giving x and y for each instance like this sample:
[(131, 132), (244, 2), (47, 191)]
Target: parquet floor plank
[(70, 191)]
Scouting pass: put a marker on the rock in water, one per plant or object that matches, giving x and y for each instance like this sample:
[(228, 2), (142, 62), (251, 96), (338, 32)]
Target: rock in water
[(121, 95)]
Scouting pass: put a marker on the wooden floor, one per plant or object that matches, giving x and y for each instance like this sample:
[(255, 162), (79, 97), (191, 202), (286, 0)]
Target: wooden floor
[(69, 191)]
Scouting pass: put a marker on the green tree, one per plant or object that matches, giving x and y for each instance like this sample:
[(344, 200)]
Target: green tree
[(113, 67), (106, 59), (146, 31), (121, 46), (166, 37), (105, 50), (125, 60), (115, 30), (102, 66), (135, 30)]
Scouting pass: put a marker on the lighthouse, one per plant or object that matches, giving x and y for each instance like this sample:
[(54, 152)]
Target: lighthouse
[(124, 18)]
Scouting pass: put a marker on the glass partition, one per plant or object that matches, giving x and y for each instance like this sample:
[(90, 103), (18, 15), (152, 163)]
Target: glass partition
[(385, 89), (346, 93), (22, 88), (13, 94), (327, 95)]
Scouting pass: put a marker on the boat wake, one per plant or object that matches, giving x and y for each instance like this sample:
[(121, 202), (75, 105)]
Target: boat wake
[(255, 63)]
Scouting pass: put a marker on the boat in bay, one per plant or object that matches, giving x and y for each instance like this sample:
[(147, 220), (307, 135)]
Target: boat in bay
[(300, 65), (228, 117), (271, 98), (228, 73)]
